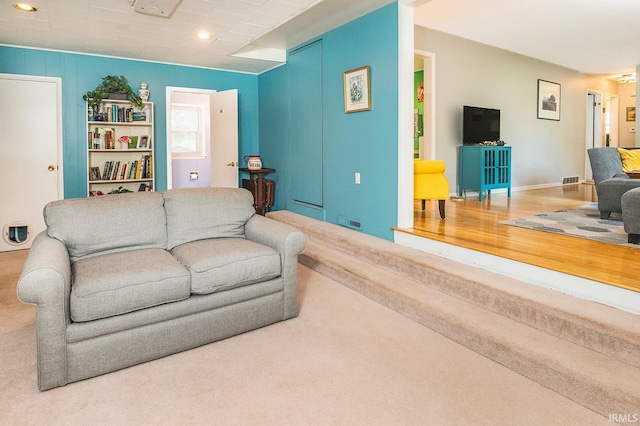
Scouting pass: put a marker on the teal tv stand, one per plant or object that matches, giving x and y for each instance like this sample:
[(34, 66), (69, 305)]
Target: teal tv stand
[(483, 168)]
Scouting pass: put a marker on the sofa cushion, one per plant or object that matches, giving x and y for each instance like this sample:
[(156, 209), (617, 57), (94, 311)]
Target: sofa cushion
[(117, 283), (630, 159), (202, 213), (224, 263), (110, 223)]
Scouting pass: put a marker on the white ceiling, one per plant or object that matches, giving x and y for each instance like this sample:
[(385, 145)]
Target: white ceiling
[(113, 28), (592, 36)]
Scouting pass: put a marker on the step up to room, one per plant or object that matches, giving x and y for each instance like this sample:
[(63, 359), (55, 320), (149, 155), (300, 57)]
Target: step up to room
[(585, 351)]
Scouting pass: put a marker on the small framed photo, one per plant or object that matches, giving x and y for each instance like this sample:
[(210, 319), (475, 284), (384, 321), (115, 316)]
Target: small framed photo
[(548, 100), (94, 173), (631, 113), (133, 142), (357, 90), (144, 142)]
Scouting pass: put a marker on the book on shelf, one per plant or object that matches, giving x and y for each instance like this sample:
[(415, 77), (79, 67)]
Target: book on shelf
[(104, 138), (128, 170)]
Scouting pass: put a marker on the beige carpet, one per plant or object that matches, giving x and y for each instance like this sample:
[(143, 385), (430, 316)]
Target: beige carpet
[(346, 360)]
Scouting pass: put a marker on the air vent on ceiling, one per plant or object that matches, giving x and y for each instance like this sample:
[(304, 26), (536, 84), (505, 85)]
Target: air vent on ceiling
[(161, 8)]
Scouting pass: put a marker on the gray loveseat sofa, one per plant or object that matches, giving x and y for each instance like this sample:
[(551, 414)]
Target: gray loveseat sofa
[(610, 180), (127, 278)]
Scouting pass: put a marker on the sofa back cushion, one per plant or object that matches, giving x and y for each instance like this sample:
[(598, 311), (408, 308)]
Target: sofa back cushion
[(605, 163), (200, 213), (108, 224)]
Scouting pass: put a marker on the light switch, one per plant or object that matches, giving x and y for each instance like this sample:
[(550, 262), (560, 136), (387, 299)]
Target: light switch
[(193, 176), (357, 178)]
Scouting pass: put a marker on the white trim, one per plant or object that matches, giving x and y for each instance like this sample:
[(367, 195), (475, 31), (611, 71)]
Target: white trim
[(625, 300), (405, 116)]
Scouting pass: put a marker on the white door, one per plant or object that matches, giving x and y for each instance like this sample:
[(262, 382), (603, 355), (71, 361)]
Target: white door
[(224, 139), (30, 155)]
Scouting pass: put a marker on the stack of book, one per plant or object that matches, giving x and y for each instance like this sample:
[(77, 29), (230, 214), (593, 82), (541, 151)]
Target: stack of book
[(102, 138), (131, 170)]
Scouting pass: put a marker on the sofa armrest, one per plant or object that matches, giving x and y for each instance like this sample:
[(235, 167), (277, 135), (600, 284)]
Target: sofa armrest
[(289, 243), (46, 282)]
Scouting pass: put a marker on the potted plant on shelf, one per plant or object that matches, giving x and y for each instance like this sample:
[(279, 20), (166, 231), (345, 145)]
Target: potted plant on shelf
[(112, 87)]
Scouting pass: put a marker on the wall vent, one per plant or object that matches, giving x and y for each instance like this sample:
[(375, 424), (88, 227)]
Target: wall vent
[(349, 223), (570, 179)]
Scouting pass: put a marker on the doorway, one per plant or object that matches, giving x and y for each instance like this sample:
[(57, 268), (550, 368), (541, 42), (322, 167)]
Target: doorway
[(30, 155), (424, 100), (611, 121), (202, 138), (594, 131)]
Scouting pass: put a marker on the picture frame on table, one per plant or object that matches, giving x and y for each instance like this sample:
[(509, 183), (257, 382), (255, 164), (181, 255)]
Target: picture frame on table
[(144, 142), (357, 90), (549, 100), (133, 142), (94, 173)]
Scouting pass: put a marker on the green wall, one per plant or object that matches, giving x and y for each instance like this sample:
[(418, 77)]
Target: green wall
[(418, 78)]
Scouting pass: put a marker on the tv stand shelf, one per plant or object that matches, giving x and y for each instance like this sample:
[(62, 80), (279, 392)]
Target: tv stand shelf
[(483, 168)]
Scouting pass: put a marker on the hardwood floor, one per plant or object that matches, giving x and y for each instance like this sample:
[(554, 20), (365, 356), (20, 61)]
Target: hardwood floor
[(476, 225)]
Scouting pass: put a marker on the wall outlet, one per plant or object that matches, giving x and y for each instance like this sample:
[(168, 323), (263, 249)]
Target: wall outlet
[(193, 176), (357, 178)]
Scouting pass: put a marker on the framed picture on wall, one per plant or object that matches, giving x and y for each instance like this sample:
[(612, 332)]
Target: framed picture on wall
[(631, 113), (357, 90), (420, 92), (548, 100)]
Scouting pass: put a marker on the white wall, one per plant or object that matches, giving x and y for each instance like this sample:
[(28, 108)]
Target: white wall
[(470, 73)]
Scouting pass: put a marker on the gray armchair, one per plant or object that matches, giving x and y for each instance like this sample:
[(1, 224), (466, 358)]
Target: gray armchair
[(611, 182)]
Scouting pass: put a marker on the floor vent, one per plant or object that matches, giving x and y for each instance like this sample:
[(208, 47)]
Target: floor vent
[(570, 179), (350, 223)]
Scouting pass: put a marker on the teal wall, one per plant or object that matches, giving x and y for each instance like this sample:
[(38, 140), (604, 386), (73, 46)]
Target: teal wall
[(81, 73), (364, 142)]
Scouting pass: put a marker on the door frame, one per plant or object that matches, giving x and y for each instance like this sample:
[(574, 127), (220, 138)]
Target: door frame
[(594, 117)]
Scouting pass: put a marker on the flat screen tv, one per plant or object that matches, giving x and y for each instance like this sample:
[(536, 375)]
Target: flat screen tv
[(479, 125)]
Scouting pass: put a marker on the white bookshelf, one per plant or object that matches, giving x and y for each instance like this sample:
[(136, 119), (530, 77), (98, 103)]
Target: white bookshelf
[(106, 152)]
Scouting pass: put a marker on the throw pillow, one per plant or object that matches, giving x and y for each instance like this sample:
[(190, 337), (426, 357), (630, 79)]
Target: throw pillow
[(630, 159)]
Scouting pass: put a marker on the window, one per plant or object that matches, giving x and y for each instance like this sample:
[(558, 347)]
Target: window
[(186, 131)]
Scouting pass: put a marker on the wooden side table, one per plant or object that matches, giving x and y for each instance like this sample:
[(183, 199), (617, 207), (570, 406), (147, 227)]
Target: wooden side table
[(257, 177)]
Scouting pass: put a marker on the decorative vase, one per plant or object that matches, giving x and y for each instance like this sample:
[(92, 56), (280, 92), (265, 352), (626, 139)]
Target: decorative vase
[(253, 162), (143, 92)]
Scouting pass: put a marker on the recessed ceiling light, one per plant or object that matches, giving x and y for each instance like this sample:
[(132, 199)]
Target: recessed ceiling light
[(204, 36), (24, 7)]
